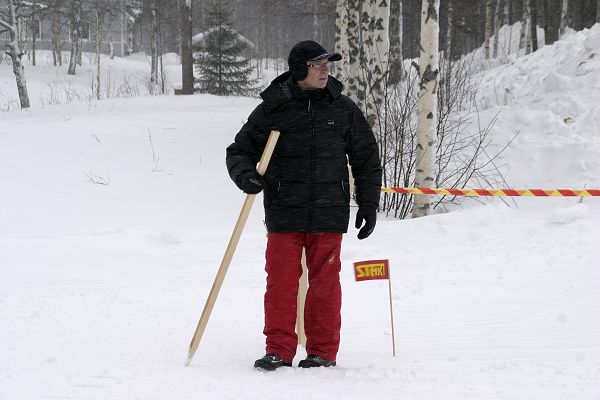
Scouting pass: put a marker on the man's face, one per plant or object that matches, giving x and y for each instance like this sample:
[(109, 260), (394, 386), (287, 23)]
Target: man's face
[(318, 73)]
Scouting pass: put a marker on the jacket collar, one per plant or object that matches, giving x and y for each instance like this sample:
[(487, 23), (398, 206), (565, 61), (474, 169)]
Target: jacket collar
[(282, 89)]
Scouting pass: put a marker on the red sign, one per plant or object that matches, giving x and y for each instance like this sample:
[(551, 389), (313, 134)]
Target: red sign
[(370, 270)]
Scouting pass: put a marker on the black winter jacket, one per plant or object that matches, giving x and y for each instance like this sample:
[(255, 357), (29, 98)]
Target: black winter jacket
[(307, 186)]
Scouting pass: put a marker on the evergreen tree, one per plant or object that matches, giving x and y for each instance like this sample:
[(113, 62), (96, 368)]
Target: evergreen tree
[(221, 67)]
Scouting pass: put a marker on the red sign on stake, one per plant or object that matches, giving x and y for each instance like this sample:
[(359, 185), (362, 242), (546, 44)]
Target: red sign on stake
[(370, 270), (377, 269)]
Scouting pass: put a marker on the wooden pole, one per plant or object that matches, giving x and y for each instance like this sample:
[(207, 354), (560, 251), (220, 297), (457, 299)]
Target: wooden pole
[(233, 241), (302, 289)]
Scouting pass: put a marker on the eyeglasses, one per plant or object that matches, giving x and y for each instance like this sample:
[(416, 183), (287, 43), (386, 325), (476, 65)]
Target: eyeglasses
[(319, 66)]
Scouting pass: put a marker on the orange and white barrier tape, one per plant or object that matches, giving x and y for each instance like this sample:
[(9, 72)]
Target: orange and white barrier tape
[(495, 192)]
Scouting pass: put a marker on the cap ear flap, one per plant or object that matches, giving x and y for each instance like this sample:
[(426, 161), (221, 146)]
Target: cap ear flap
[(299, 70)]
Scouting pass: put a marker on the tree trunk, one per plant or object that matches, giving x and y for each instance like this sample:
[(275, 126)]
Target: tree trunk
[(154, 48), (97, 51), (489, 18), (450, 32), (56, 35), (315, 8), (395, 59), (427, 105), (534, 14), (366, 27), (525, 41), (564, 16), (448, 53), (34, 24), (187, 59), (507, 18), (598, 12), (109, 30), (375, 33), (577, 10), (111, 48), (341, 39), (551, 21), (80, 51), (13, 49), (497, 24), (75, 35), (356, 82)]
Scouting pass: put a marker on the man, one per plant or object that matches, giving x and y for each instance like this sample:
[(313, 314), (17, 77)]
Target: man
[(307, 198)]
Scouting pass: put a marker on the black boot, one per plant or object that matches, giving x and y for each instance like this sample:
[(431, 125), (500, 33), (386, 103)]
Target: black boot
[(270, 362), (313, 360)]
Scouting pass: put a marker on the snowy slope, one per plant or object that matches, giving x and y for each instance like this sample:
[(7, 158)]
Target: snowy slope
[(103, 284), (550, 100)]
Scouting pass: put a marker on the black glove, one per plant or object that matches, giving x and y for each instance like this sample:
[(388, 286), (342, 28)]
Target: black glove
[(252, 182), (369, 215)]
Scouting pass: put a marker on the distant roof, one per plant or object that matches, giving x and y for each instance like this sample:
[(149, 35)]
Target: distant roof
[(198, 38)]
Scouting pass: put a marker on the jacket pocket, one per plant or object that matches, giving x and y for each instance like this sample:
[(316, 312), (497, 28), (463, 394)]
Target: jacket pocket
[(346, 190), (272, 193)]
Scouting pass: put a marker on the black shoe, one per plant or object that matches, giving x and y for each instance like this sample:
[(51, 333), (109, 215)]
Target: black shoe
[(313, 360), (270, 362)]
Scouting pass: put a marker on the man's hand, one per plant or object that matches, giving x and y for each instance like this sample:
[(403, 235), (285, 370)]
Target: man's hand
[(252, 183), (369, 216)]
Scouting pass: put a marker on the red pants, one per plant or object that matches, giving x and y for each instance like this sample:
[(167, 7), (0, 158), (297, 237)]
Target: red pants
[(322, 320)]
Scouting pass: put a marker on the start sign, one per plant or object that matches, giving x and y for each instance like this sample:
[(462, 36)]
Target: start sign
[(370, 270)]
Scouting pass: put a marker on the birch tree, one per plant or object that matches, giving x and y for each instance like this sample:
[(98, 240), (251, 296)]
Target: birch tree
[(13, 49), (98, 17), (375, 33), (525, 39), (427, 104), (356, 56), (75, 17), (564, 16), (187, 58), (489, 18), (154, 46), (342, 15), (498, 20), (98, 14), (363, 26), (395, 58)]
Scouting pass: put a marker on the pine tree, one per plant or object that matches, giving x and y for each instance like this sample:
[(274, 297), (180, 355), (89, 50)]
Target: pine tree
[(222, 69)]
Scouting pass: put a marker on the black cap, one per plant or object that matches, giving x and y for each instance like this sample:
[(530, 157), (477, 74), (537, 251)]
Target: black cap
[(304, 51)]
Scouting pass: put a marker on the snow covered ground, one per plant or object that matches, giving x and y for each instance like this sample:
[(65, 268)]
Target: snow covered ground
[(114, 216)]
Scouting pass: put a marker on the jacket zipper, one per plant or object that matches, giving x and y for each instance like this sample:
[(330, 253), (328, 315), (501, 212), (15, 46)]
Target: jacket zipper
[(311, 170)]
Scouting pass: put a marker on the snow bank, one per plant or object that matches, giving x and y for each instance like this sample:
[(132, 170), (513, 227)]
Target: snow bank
[(548, 99)]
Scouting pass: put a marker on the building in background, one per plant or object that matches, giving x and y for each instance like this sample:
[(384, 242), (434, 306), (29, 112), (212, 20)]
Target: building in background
[(42, 27)]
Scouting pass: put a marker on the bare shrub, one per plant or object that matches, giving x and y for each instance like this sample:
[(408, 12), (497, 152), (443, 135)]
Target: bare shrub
[(12, 104), (463, 156), (98, 179)]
